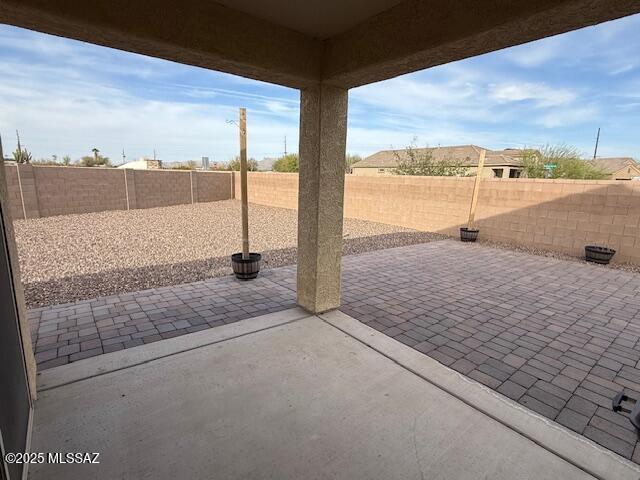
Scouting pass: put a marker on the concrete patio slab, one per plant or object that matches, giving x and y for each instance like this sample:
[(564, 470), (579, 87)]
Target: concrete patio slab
[(299, 399), (111, 362)]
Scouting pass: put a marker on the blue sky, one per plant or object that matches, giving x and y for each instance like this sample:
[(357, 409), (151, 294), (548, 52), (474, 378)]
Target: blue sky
[(67, 97)]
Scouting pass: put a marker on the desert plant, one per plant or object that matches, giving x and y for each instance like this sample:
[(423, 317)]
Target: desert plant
[(234, 164), (421, 162), (189, 165), (46, 161), (286, 163), (350, 159), (559, 161), (95, 160), (21, 155)]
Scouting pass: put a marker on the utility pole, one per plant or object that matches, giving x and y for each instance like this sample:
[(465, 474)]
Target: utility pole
[(154, 154), (595, 151), (243, 184), (124, 157), (285, 145)]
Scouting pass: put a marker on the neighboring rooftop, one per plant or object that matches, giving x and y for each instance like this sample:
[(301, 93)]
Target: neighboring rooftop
[(468, 155), (143, 164), (266, 164), (612, 165)]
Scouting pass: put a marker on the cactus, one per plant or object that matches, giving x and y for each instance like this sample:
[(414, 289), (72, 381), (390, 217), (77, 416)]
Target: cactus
[(21, 155)]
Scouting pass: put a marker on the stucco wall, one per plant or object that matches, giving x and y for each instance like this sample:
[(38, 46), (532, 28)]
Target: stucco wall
[(559, 215), (49, 191)]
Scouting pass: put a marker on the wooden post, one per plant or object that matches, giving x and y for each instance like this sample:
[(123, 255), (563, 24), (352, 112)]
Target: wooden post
[(191, 184), (476, 190), (243, 183), (24, 210), (126, 187)]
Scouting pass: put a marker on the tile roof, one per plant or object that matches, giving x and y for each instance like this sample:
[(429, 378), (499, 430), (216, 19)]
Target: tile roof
[(468, 155), (614, 164)]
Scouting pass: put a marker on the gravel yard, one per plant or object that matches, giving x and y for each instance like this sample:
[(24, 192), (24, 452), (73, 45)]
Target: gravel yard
[(74, 257)]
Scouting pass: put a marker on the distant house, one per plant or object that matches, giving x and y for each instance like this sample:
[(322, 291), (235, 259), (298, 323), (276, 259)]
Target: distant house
[(498, 164), (143, 164), (619, 168), (266, 164)]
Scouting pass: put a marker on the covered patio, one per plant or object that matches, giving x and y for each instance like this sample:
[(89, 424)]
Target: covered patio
[(323, 49), (559, 337), (291, 395)]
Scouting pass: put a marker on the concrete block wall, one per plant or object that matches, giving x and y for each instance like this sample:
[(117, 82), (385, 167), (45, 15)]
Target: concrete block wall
[(436, 204), (563, 215), (13, 192), (68, 190), (270, 188), (162, 188), (51, 190), (213, 186), (557, 215)]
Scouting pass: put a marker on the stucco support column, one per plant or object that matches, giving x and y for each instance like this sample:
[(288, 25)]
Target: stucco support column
[(323, 136)]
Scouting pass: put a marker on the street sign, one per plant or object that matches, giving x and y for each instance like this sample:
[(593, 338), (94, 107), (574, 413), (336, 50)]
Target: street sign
[(550, 166)]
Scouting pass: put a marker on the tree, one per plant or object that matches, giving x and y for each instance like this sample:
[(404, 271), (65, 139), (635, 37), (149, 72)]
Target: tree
[(421, 162), (559, 161), (286, 163), (234, 164), (189, 165), (350, 160), (66, 160), (96, 160)]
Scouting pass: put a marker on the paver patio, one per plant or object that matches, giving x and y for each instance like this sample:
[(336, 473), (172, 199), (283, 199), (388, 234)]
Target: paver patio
[(559, 337)]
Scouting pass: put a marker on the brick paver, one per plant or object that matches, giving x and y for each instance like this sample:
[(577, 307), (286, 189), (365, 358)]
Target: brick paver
[(66, 333), (559, 337)]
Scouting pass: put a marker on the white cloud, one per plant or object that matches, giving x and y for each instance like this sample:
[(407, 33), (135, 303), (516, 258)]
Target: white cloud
[(534, 54), (367, 139), (442, 94), (542, 95), (569, 116), (66, 97), (610, 48), (65, 114)]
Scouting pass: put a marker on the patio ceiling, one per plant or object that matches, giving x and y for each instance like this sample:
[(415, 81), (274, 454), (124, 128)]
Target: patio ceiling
[(299, 44)]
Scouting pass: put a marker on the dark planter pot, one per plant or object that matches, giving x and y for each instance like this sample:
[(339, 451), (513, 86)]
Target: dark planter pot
[(246, 269), (595, 254), (468, 235)]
